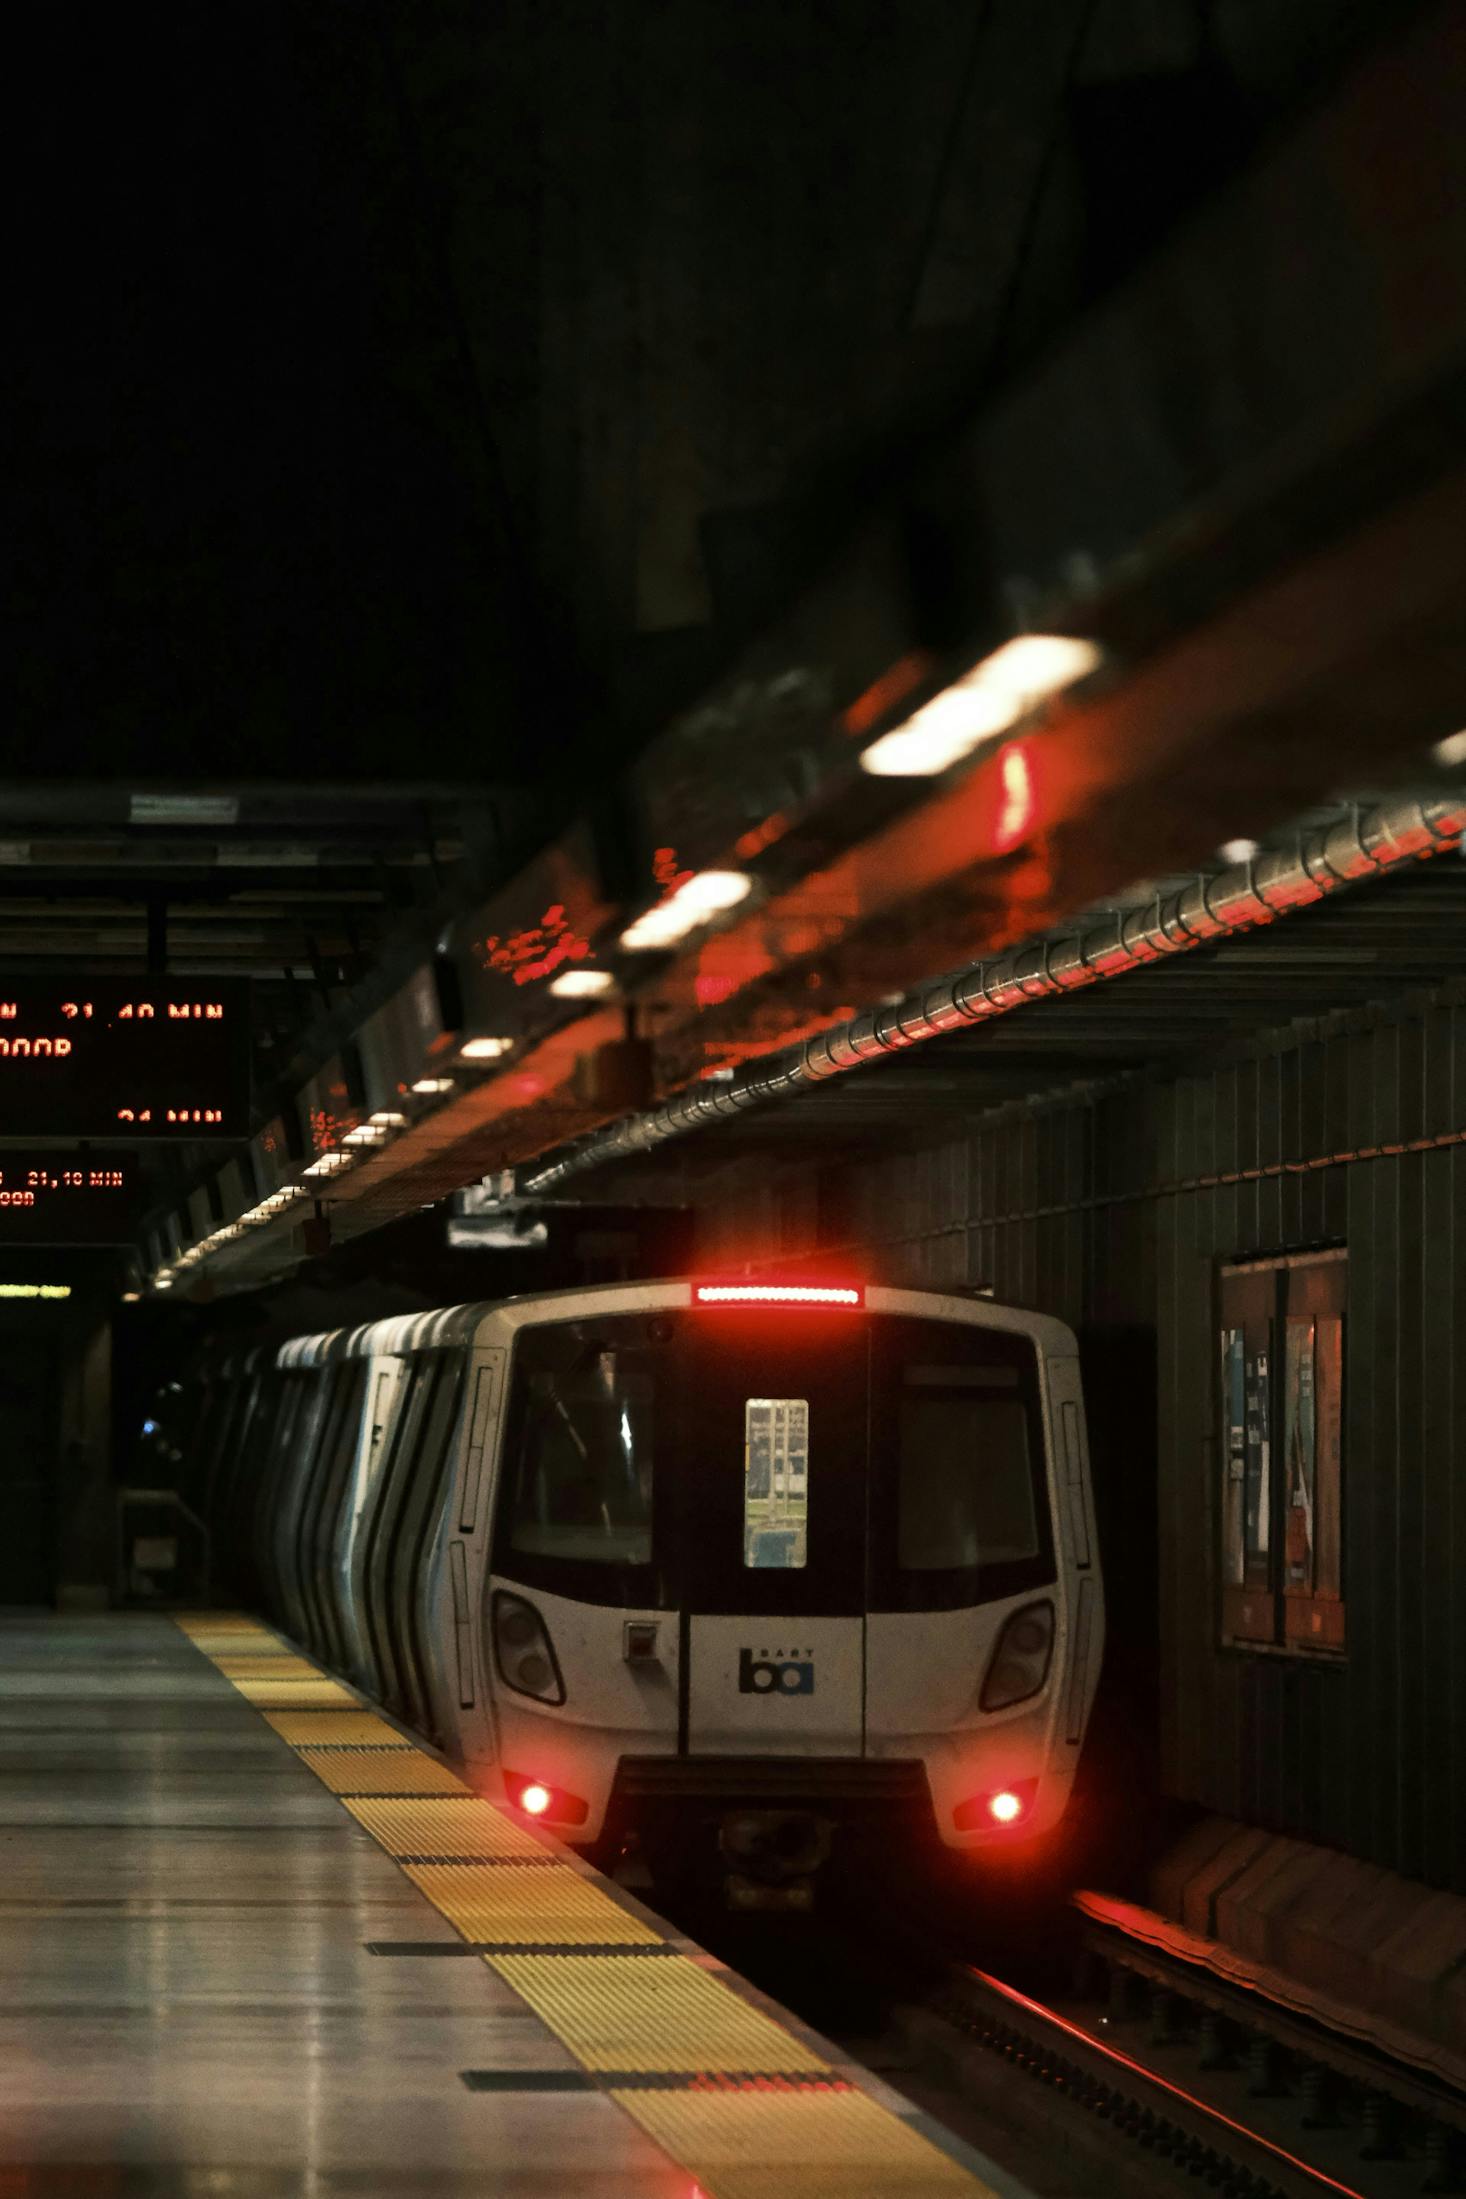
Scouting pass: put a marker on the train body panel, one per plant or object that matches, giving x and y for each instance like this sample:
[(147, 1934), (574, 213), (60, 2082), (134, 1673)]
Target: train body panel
[(385, 1378), (649, 1554)]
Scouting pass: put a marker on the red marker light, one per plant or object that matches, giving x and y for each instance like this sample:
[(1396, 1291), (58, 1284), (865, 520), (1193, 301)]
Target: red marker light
[(777, 1294), (1002, 1809), (538, 1800)]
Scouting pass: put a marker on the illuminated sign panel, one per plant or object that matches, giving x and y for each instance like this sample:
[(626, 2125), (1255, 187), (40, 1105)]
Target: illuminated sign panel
[(61, 1197), (109, 1058)]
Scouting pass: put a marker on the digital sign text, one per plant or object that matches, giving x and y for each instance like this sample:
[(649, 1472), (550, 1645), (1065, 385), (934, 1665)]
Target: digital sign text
[(57, 1197), (118, 1058)]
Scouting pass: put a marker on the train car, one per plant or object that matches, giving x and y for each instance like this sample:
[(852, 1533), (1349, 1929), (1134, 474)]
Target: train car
[(729, 1567)]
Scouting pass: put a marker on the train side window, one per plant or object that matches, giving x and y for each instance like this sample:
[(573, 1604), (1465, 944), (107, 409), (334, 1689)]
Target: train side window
[(1279, 1446)]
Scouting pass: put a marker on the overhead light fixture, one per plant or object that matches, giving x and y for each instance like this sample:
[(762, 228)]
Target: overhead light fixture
[(581, 984), (985, 703), (484, 1049), (330, 1164), (1032, 667), (184, 809), (1452, 750), (708, 893), (365, 1133), (276, 1203), (35, 1290), (386, 1120), (131, 1297), (942, 732), (432, 1087), (1238, 851), (507, 1233)]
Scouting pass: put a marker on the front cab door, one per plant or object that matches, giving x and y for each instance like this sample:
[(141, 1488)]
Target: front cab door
[(772, 1493)]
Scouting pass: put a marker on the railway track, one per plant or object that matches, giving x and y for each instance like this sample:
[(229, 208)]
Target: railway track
[(1097, 2066), (1147, 2083)]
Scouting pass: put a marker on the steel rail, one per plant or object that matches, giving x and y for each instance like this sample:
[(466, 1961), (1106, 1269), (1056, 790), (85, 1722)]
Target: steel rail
[(1200, 2141)]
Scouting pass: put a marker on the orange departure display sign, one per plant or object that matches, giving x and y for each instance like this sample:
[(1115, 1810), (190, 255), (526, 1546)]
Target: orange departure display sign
[(58, 1196), (113, 1058)]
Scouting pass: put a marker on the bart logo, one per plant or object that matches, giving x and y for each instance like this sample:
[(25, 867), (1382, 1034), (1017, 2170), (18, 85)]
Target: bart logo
[(774, 1676)]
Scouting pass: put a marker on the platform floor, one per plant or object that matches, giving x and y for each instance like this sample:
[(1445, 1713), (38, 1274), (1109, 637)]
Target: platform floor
[(254, 1942)]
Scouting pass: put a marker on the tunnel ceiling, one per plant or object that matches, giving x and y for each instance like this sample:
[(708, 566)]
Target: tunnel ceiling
[(1384, 943), (400, 394), (409, 416)]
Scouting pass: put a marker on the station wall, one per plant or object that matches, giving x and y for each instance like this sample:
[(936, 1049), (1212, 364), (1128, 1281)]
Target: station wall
[(1115, 1208)]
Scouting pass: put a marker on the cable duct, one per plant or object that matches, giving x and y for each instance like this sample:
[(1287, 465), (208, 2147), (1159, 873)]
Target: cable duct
[(1361, 842)]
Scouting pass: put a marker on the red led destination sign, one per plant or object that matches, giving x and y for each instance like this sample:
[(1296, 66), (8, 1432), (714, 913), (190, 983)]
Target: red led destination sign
[(61, 1197), (108, 1058)]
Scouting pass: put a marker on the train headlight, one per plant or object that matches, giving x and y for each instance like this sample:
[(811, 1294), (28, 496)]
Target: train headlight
[(1020, 1661), (523, 1650)]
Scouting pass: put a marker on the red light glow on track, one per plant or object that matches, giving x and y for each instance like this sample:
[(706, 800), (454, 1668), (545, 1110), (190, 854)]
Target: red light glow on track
[(777, 1294), (1162, 2084)]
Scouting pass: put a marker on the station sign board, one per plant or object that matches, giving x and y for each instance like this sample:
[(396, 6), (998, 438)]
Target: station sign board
[(111, 1057), (58, 1196)]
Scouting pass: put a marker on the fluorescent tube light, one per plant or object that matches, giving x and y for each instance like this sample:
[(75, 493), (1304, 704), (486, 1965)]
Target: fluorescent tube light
[(581, 984), (984, 704), (708, 893)]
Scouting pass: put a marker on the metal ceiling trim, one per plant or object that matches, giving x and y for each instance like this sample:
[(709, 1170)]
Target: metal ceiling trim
[(1360, 842)]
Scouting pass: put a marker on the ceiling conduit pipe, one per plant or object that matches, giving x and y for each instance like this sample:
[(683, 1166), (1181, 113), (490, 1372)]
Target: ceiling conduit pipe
[(1361, 842)]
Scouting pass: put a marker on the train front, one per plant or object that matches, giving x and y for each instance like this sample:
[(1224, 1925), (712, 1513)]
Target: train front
[(775, 1567)]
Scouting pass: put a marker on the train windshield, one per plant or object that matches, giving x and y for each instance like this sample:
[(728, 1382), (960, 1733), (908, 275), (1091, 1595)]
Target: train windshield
[(754, 1460), (964, 1478), (580, 1484)]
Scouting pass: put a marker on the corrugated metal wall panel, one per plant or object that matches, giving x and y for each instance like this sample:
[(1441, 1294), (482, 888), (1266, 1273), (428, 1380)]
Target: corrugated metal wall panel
[(1452, 1234), (1112, 1209)]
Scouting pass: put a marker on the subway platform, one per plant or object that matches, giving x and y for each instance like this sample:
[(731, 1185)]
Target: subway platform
[(257, 1942)]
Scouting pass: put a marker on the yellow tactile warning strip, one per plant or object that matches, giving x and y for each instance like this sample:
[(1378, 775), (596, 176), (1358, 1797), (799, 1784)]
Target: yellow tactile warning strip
[(379, 1771), (335, 1729), (257, 1664), (727, 2091), (614, 2013), (448, 1828), (828, 2144), (319, 1694), (235, 1645), (530, 1908), (221, 1622)]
